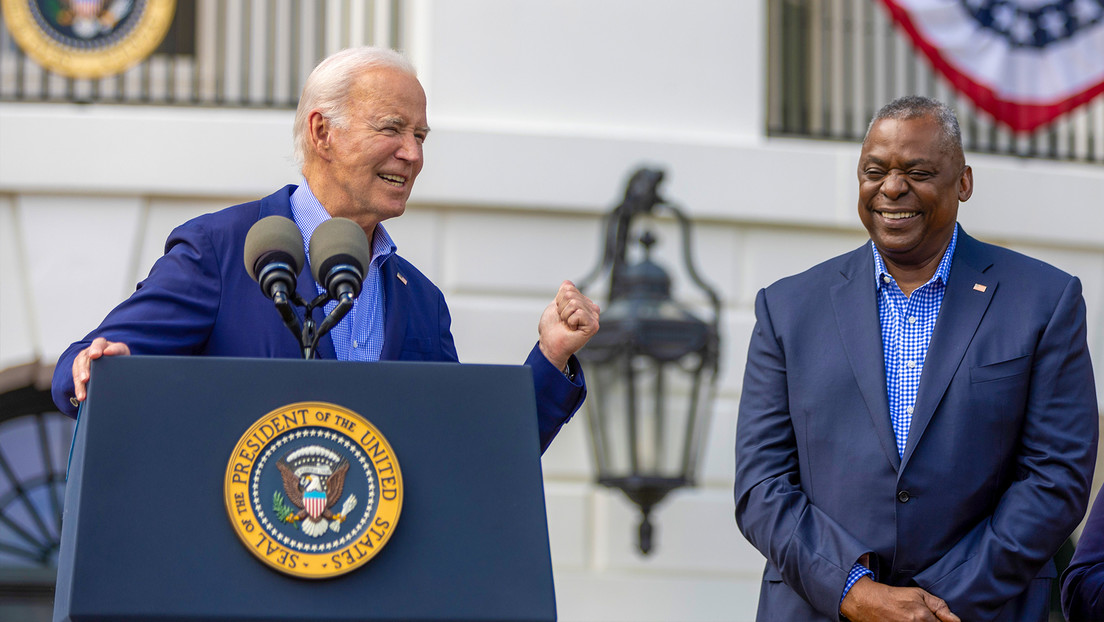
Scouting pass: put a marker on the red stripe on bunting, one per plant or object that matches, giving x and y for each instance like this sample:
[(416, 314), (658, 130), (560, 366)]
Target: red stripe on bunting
[(1019, 116)]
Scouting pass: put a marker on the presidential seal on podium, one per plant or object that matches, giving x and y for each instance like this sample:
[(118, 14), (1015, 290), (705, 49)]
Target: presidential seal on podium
[(313, 490)]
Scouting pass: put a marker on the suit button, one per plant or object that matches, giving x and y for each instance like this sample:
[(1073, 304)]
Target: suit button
[(903, 496)]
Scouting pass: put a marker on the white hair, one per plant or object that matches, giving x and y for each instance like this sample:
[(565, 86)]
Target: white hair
[(327, 88)]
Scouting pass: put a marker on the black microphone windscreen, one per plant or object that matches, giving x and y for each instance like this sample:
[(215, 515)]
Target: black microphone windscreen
[(270, 237), (338, 241)]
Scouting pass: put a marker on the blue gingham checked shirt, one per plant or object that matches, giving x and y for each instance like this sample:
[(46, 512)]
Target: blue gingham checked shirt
[(359, 335), (907, 325)]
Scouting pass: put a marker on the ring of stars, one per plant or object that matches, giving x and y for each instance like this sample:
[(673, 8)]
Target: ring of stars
[(369, 503)]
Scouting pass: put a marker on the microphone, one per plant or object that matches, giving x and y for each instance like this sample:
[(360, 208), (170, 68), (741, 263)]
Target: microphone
[(274, 256), (339, 258)]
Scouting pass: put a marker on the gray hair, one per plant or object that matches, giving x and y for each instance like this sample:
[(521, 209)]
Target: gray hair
[(916, 106), (327, 88)]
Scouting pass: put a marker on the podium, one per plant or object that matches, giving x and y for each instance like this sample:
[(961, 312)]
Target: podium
[(147, 535)]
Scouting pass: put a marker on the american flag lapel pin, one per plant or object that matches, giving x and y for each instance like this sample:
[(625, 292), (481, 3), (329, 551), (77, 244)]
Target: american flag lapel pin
[(403, 279), (978, 287)]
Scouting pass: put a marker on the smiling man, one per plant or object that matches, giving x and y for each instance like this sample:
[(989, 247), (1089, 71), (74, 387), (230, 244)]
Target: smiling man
[(918, 424), (358, 136)]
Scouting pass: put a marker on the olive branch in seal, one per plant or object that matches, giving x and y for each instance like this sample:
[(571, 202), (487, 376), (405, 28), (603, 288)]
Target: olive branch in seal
[(283, 510)]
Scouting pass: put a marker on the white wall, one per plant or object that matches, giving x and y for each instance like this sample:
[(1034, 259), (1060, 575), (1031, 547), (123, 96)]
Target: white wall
[(539, 112)]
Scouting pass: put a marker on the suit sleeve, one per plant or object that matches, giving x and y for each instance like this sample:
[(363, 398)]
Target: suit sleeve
[(995, 561), (170, 313), (558, 397), (812, 552), (1083, 581)]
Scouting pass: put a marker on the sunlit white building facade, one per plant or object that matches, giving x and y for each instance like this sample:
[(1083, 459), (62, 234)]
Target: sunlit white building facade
[(539, 111)]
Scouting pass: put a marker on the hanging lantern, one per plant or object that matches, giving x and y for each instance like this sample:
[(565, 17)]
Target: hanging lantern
[(652, 367)]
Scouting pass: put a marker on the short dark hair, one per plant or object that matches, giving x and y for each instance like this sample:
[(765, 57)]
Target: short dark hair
[(914, 106)]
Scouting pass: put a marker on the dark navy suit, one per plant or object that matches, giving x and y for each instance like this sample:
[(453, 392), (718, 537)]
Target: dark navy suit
[(996, 471), (199, 300)]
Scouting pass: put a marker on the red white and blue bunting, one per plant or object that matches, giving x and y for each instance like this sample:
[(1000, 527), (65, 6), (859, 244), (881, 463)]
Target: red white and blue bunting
[(1025, 62)]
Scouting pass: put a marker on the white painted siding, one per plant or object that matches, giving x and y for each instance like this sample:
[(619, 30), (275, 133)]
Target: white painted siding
[(540, 111)]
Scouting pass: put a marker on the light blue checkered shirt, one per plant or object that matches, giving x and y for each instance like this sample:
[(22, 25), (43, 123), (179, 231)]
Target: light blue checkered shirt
[(907, 325), (359, 335)]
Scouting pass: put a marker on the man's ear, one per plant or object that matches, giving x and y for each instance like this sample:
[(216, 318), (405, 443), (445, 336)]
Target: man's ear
[(320, 134), (966, 184)]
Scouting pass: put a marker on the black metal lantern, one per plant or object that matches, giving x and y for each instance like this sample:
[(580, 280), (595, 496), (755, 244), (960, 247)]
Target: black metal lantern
[(652, 366)]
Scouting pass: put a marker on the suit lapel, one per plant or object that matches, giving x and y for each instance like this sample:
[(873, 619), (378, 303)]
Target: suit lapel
[(394, 320), (965, 301), (856, 309)]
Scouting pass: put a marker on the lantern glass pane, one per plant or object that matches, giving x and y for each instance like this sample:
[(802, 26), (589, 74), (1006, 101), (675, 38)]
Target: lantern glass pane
[(646, 415)]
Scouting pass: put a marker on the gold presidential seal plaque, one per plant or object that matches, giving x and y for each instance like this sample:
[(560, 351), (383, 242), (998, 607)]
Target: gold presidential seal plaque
[(88, 38), (313, 490)]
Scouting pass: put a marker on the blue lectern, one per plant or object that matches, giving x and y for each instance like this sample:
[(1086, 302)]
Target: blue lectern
[(146, 533)]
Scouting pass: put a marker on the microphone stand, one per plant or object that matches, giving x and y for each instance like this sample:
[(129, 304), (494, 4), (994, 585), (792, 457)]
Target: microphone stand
[(344, 305), (286, 307), (308, 334)]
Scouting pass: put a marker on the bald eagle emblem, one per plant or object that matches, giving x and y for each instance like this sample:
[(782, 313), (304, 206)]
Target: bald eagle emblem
[(313, 479)]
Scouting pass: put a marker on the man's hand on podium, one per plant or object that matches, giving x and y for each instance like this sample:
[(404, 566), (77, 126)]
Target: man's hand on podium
[(83, 363)]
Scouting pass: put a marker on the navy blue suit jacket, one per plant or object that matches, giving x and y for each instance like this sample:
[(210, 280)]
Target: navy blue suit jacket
[(997, 467), (199, 300)]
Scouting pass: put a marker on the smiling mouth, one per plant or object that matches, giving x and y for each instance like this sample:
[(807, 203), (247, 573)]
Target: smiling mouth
[(898, 215), (397, 181)]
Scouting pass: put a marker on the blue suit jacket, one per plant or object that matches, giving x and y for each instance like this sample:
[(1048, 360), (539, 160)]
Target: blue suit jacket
[(1000, 455), (199, 300)]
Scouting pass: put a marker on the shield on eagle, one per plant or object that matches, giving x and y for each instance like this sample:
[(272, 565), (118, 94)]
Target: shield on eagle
[(313, 479)]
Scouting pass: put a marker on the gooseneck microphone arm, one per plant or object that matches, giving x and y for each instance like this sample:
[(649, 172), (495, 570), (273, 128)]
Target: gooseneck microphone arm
[(346, 296), (340, 257), (344, 305), (284, 297)]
